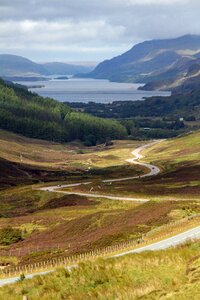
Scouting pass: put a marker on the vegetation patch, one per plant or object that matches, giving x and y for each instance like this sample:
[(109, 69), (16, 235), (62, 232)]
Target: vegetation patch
[(68, 200), (167, 274), (10, 236), (31, 115)]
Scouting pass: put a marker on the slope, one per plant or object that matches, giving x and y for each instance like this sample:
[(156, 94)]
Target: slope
[(170, 274), (151, 61), (179, 160), (18, 66), (33, 116), (13, 65), (59, 68)]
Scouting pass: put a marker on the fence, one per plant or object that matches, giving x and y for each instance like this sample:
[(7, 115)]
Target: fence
[(24, 251), (74, 259)]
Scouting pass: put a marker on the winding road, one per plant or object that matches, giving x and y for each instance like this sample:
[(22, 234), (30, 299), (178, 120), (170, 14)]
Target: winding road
[(153, 170)]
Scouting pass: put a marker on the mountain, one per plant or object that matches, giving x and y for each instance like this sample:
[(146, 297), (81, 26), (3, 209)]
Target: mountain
[(153, 60), (16, 66), (64, 69), (180, 84), (13, 65)]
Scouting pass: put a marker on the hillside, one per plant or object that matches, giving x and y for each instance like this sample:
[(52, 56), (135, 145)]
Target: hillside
[(184, 84), (178, 159), (171, 274), (18, 66), (13, 65), (183, 150), (54, 225), (26, 161), (83, 222), (33, 116), (59, 68), (151, 61)]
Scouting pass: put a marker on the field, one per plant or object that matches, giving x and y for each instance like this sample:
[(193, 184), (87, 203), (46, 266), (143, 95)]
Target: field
[(170, 274), (53, 224), (29, 161), (179, 160), (34, 152)]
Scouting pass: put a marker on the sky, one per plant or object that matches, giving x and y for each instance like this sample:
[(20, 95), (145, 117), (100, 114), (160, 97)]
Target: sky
[(90, 30)]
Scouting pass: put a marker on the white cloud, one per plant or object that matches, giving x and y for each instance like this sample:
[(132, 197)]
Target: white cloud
[(155, 2), (48, 33), (102, 26)]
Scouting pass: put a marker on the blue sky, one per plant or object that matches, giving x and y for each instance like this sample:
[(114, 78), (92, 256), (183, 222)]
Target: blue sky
[(90, 30)]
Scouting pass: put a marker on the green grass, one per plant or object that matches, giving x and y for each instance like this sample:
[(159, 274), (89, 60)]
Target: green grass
[(95, 225), (185, 149), (20, 149), (170, 274), (179, 161), (80, 224)]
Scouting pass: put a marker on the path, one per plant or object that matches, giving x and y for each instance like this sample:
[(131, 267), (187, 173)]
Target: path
[(153, 170)]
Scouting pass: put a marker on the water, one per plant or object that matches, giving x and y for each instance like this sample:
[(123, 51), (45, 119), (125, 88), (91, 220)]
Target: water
[(86, 90)]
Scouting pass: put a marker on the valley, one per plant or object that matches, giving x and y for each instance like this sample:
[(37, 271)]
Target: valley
[(54, 225), (99, 163), (50, 223)]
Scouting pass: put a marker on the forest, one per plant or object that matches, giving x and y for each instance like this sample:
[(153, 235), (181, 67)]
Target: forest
[(33, 116), (173, 107)]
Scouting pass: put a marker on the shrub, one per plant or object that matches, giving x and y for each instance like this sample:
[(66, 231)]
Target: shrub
[(9, 235), (22, 277)]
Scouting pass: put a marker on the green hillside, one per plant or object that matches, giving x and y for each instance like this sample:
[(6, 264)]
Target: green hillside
[(185, 149), (33, 116), (172, 274), (178, 158)]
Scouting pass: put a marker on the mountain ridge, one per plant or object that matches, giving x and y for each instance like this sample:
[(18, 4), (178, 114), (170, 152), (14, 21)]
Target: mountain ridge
[(15, 65), (151, 61)]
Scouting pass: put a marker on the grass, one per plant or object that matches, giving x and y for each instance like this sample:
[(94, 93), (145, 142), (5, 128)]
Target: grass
[(179, 160), (168, 274), (29, 161), (42, 153), (183, 150), (78, 224), (41, 215)]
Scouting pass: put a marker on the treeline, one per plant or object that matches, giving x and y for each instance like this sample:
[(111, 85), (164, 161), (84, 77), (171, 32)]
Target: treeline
[(149, 128), (155, 117), (175, 107), (37, 117)]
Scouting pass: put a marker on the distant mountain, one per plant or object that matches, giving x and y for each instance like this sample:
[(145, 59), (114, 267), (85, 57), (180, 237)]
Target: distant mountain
[(151, 61), (57, 68), (13, 65), (18, 66), (183, 85)]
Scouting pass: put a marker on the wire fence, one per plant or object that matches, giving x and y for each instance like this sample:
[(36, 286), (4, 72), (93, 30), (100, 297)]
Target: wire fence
[(51, 264), (18, 252)]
